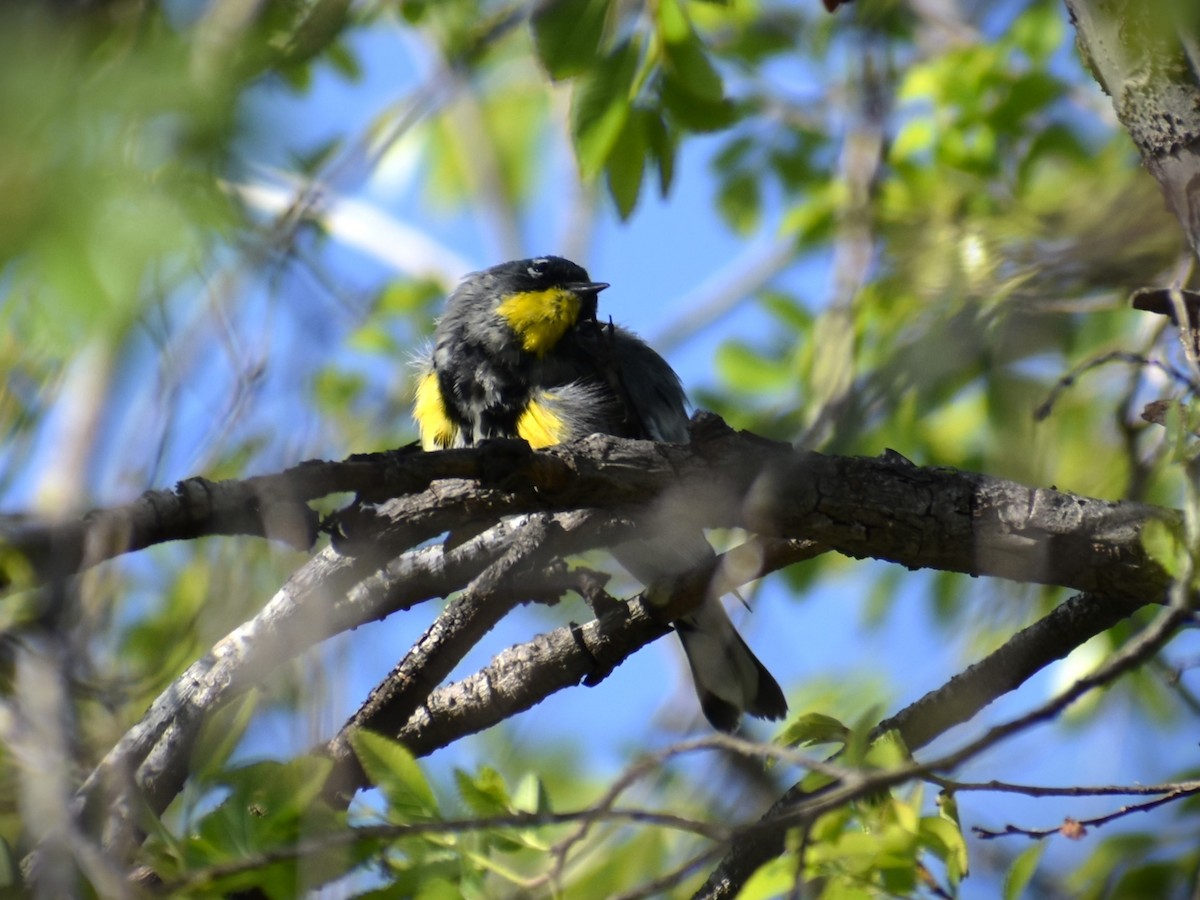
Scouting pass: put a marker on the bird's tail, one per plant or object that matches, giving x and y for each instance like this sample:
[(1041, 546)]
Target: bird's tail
[(728, 676)]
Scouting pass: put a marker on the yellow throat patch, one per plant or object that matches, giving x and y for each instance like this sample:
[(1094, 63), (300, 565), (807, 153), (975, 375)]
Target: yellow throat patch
[(540, 318), (429, 412)]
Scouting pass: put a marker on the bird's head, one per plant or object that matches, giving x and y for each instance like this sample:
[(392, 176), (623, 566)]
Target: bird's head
[(538, 299)]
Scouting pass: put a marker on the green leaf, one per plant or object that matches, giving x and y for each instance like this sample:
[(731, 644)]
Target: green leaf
[(600, 106), (738, 153), (945, 840), (684, 55), (694, 112), (9, 866), (813, 728), (530, 795), (858, 741), (812, 219), (414, 11), (662, 147), (888, 751), (1165, 546), (269, 806), (627, 162), (1028, 95), (747, 370), (1038, 31), (281, 791), (406, 296), (567, 35), (1154, 879), (394, 770), (787, 310), (373, 337), (1020, 873), (344, 61), (485, 793), (775, 879), (916, 137), (220, 734), (673, 24), (740, 201)]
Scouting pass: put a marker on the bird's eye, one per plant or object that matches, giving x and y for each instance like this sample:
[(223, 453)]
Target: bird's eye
[(537, 268)]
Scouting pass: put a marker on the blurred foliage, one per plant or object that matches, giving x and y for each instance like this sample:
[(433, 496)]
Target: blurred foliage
[(959, 225)]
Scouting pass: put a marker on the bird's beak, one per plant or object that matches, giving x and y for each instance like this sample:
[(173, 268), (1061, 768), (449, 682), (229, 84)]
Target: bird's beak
[(588, 291), (586, 287)]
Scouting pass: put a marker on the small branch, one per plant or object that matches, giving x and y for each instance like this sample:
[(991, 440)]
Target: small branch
[(472, 614), (604, 811), (1183, 788), (659, 886), (524, 675), (1137, 651), (1026, 653), (195, 508), (1142, 362), (1077, 828), (655, 761)]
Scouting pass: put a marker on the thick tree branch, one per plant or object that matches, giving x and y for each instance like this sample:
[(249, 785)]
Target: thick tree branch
[(886, 508)]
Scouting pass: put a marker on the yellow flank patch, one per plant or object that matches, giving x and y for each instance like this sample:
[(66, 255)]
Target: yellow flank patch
[(539, 426), (540, 318), (429, 412)]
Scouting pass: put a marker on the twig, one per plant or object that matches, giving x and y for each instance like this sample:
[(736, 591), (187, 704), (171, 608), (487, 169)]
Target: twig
[(1034, 790), (1134, 359), (654, 762), (937, 712), (206, 877), (1076, 828)]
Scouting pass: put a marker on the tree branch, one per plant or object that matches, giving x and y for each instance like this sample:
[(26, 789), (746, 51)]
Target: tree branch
[(885, 508), (803, 503), (330, 594), (524, 675)]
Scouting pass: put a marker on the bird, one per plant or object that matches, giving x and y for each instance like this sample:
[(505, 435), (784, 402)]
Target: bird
[(519, 352)]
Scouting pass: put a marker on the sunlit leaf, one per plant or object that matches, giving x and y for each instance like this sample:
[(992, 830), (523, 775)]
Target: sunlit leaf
[(394, 770), (627, 162), (600, 107), (1022, 870)]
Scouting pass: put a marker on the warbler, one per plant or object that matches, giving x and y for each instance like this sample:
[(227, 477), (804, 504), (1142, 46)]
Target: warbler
[(519, 353)]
